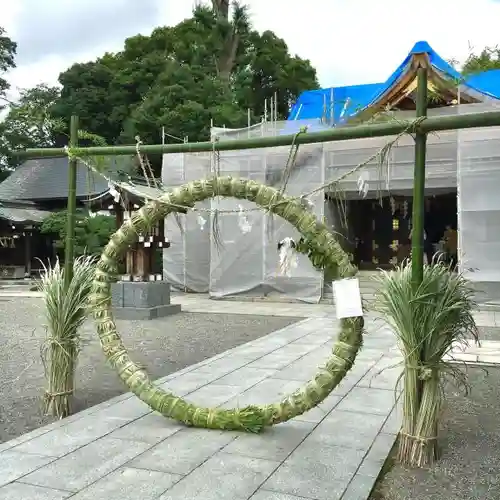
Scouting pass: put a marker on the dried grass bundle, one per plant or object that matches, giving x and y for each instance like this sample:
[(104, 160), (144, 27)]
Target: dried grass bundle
[(66, 310), (428, 322)]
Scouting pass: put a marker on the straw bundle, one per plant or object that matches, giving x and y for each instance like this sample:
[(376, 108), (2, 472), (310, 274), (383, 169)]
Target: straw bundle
[(428, 321), (66, 309)]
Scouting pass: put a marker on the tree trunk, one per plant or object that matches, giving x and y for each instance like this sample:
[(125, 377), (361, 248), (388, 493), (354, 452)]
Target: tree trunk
[(221, 8), (228, 57)]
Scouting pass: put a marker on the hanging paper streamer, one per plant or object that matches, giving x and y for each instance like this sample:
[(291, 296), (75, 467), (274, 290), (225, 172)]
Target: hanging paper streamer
[(243, 222), (307, 203), (113, 192), (288, 256), (363, 186), (393, 205), (201, 221)]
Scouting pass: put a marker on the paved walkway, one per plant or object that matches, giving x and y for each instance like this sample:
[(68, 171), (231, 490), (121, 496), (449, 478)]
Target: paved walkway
[(121, 450), (486, 353), (203, 304)]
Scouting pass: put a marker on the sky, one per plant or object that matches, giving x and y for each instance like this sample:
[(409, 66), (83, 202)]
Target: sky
[(348, 41)]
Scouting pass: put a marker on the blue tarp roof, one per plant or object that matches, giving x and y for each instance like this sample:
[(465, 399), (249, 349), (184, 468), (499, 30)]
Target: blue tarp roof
[(350, 100)]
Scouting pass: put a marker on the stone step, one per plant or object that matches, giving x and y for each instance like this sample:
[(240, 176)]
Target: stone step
[(15, 285), (27, 282)]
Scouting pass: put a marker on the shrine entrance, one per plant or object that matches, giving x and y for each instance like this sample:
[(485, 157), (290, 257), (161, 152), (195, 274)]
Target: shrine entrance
[(382, 227)]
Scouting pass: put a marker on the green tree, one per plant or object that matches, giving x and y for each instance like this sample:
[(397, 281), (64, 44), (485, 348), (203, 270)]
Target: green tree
[(29, 123), (85, 93), (184, 100), (92, 233), (268, 71), (210, 66), (7, 62), (488, 58)]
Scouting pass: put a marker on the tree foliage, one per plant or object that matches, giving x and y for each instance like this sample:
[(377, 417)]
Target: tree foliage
[(91, 233), (212, 66), (7, 59), (488, 58), (29, 123)]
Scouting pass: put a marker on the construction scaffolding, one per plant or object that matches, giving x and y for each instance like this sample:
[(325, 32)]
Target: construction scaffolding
[(235, 253), (478, 203)]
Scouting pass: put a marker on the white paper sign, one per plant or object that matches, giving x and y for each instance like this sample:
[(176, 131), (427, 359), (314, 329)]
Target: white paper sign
[(347, 298)]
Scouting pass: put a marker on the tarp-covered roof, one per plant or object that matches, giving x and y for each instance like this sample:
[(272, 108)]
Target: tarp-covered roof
[(350, 100)]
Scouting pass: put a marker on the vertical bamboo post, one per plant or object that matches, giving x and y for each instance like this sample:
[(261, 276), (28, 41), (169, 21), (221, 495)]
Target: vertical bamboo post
[(69, 251), (417, 241)]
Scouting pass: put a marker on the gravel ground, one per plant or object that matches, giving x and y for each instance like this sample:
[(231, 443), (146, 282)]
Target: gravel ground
[(164, 346), (469, 468)]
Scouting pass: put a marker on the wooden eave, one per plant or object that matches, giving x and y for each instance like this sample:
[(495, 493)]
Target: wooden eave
[(407, 84)]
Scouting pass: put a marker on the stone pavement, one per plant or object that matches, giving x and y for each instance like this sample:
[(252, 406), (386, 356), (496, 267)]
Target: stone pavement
[(486, 353), (121, 450), (201, 303)]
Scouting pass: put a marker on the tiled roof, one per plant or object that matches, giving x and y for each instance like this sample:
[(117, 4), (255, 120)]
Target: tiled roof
[(23, 215), (47, 179)]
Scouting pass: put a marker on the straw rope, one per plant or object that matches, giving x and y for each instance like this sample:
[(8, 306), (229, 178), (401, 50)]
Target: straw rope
[(320, 243)]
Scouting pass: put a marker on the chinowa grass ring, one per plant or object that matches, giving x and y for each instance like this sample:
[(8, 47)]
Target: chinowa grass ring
[(322, 247)]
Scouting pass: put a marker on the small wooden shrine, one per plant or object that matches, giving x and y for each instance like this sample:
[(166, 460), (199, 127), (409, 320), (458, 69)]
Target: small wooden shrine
[(143, 260)]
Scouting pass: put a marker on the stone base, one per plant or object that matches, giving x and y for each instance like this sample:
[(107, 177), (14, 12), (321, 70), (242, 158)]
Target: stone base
[(137, 314), (137, 300)]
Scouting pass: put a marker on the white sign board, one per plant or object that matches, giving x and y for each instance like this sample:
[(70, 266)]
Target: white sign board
[(347, 298)]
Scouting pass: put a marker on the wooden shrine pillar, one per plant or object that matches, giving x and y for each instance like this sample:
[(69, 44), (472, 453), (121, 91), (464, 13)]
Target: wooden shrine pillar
[(28, 234)]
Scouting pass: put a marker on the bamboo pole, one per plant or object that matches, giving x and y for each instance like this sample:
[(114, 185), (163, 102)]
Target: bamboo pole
[(431, 124), (69, 250), (417, 240)]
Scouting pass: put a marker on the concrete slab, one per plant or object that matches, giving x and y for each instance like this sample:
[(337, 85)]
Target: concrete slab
[(86, 465), (223, 477), (21, 491), (487, 353)]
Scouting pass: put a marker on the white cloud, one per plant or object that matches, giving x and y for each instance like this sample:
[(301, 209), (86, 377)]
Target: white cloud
[(348, 41)]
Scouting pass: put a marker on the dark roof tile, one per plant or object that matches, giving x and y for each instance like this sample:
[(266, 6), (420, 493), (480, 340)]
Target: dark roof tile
[(47, 179)]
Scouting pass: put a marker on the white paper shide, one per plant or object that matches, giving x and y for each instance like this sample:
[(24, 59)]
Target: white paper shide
[(288, 256), (347, 295)]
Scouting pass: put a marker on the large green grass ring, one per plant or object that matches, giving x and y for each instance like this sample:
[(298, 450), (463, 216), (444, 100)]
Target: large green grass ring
[(251, 418)]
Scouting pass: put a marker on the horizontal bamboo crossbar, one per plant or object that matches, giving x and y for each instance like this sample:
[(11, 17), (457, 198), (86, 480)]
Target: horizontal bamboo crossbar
[(430, 124)]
